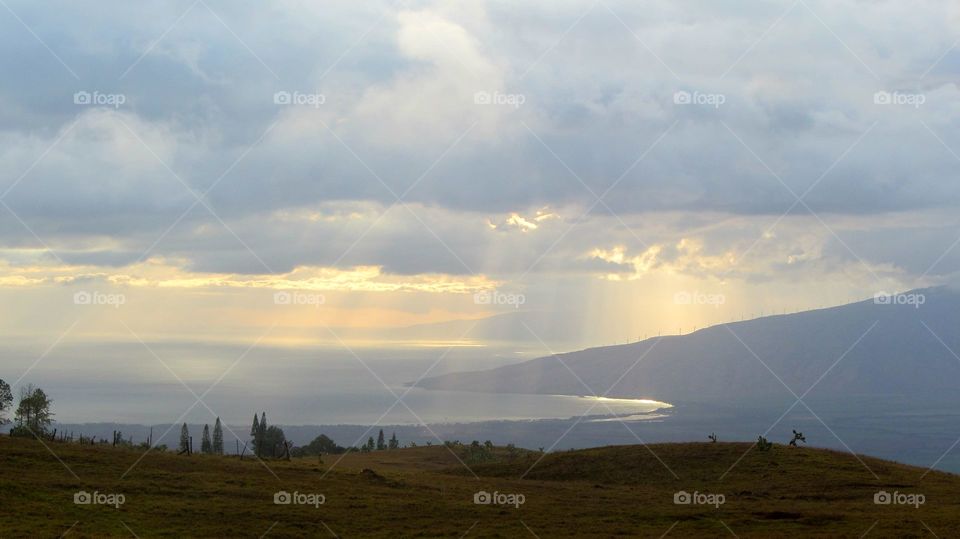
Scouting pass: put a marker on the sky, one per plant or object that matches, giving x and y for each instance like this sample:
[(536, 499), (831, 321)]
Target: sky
[(305, 173)]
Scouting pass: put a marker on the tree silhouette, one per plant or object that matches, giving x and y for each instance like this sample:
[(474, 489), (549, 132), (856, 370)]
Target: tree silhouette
[(6, 401), (261, 433), (255, 432), (33, 415), (184, 439), (206, 447), (272, 441), (381, 445), (367, 447), (217, 438)]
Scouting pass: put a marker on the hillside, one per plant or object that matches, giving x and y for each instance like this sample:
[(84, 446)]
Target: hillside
[(426, 492), (886, 350)]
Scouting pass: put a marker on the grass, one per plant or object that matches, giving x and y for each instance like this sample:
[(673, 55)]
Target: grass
[(622, 491)]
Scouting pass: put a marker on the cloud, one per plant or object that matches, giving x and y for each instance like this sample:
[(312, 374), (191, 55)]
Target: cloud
[(523, 224), (477, 115)]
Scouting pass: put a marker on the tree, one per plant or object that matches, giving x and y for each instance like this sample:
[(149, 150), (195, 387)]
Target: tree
[(33, 415), (381, 445), (255, 433), (320, 445), (272, 441), (394, 443), (368, 447), (262, 433), (217, 438), (206, 447), (184, 439), (6, 401), (763, 444)]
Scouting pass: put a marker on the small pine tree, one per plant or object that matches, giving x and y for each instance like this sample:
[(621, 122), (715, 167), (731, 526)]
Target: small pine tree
[(184, 439), (206, 446), (394, 443), (255, 432), (381, 445), (217, 438), (262, 433)]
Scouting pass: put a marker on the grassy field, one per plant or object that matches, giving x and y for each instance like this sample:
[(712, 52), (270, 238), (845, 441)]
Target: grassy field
[(623, 491)]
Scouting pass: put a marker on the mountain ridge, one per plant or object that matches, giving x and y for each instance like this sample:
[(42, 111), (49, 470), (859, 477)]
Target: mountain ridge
[(862, 349)]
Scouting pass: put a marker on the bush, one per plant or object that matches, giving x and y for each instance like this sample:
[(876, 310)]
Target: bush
[(763, 444)]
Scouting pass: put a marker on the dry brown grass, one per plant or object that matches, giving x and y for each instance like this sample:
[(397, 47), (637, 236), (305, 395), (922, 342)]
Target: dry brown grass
[(425, 492)]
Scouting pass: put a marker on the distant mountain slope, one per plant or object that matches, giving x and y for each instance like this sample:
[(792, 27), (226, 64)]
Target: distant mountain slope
[(900, 353)]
